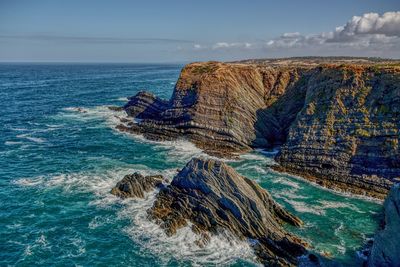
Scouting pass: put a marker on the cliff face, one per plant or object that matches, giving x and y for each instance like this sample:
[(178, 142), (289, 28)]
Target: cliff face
[(347, 133), (385, 249), (214, 105), (338, 124)]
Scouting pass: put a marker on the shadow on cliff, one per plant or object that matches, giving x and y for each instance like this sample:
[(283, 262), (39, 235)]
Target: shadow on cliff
[(273, 123)]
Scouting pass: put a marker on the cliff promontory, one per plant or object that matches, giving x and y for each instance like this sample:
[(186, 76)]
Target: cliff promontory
[(337, 121)]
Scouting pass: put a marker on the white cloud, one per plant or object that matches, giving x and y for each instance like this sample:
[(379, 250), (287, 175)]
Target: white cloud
[(222, 45), (370, 23), (368, 30)]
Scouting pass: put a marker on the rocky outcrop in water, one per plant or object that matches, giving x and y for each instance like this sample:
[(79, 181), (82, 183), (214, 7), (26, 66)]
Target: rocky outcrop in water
[(385, 250), (337, 121), (212, 198), (135, 185)]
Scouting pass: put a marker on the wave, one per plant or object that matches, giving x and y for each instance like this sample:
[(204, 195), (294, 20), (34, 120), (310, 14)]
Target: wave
[(303, 207), (339, 193), (284, 181), (222, 249), (11, 143), (337, 205), (111, 117), (31, 138)]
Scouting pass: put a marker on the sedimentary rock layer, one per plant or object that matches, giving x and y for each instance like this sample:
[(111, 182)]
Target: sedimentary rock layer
[(346, 135), (215, 105), (338, 124), (386, 247), (212, 197)]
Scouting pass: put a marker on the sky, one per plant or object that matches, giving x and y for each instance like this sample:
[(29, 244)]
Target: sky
[(184, 31)]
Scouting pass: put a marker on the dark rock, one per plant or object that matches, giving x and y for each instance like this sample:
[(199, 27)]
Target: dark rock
[(385, 250), (115, 108), (135, 185), (214, 197)]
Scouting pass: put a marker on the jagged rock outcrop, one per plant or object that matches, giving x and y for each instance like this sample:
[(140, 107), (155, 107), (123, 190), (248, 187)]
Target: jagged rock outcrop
[(385, 250), (135, 185), (338, 124), (212, 197)]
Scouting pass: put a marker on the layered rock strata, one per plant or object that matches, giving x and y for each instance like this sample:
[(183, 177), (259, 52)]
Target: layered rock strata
[(346, 136), (338, 124), (212, 198), (136, 185), (214, 105)]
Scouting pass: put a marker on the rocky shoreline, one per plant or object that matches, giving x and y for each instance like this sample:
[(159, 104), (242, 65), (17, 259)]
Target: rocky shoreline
[(337, 123), (210, 197)]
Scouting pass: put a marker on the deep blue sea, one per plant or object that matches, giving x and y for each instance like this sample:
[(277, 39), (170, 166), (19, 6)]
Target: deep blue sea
[(60, 155)]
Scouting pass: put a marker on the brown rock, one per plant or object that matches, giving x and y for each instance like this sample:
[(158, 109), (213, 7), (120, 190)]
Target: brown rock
[(135, 185)]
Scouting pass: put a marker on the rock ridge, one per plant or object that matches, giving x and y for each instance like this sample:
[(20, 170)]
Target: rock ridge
[(211, 197)]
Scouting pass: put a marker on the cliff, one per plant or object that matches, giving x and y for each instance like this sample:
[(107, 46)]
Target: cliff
[(337, 121), (385, 249), (214, 105), (346, 135)]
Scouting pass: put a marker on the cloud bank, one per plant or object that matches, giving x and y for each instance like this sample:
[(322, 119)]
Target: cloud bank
[(368, 30), (371, 34)]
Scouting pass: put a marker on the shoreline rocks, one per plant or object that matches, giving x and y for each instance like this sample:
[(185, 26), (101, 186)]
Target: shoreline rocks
[(211, 197), (337, 120), (135, 185)]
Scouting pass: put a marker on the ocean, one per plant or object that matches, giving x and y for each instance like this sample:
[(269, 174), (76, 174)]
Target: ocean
[(60, 155)]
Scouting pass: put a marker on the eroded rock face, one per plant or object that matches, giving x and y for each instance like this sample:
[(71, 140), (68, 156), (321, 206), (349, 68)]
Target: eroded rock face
[(338, 124), (346, 136), (213, 197), (135, 185), (385, 250), (213, 105)]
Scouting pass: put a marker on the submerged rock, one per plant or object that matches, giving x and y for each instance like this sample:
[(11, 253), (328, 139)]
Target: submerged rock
[(135, 185), (385, 250), (212, 197)]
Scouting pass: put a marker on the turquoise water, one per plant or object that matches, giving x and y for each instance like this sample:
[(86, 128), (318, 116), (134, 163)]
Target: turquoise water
[(58, 164)]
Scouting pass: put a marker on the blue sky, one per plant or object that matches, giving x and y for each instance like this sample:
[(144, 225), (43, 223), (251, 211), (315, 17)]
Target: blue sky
[(180, 31)]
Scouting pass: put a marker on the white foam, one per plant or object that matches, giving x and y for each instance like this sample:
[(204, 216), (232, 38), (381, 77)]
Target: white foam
[(337, 205), (122, 99), (11, 143), (221, 250), (285, 181), (303, 207), (31, 138), (339, 193), (29, 181), (110, 117)]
